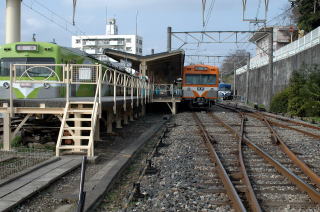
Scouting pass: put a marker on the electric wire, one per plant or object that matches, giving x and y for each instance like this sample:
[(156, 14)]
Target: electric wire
[(209, 13), (64, 27)]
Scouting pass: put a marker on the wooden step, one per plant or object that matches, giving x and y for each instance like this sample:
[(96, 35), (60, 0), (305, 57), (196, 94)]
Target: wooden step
[(75, 137), (78, 119), (82, 111), (73, 147), (77, 128)]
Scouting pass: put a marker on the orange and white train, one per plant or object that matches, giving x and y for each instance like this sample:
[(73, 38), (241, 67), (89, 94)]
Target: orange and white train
[(200, 85)]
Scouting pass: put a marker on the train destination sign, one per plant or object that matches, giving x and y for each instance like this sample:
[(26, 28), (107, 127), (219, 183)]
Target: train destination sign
[(26, 47)]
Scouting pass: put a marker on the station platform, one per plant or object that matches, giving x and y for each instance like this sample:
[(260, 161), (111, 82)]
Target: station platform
[(61, 102)]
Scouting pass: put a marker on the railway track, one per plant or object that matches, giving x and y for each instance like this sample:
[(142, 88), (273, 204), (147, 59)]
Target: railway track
[(266, 179)]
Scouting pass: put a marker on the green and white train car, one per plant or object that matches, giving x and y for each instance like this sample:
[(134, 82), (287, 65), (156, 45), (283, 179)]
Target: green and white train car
[(40, 53)]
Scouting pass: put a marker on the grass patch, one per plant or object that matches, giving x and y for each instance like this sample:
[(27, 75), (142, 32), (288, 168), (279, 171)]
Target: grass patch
[(17, 142)]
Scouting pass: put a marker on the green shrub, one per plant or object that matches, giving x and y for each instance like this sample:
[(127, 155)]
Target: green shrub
[(302, 96), (279, 103)]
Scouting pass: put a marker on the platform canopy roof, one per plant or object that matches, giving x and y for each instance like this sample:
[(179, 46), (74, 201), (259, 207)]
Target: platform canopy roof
[(162, 67)]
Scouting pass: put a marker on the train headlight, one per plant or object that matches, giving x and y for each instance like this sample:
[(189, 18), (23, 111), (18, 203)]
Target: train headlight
[(46, 85), (6, 85)]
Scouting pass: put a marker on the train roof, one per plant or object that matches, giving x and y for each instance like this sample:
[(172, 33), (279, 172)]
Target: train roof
[(69, 49), (202, 65)]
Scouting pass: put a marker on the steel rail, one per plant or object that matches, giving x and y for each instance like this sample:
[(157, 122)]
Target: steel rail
[(277, 123), (231, 191), (253, 202), (284, 148), (304, 167), (295, 129), (292, 121), (313, 194), (260, 116)]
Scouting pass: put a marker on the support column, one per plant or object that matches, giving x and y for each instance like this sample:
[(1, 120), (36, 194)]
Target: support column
[(139, 112), (143, 110), (13, 21), (109, 122), (118, 120), (174, 108), (131, 115), (6, 131), (97, 130), (125, 118), (136, 113), (143, 68)]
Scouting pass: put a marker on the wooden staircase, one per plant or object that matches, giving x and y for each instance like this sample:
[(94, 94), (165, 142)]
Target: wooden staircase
[(77, 129)]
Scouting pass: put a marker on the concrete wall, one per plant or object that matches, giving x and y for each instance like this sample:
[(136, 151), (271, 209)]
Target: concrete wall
[(259, 87)]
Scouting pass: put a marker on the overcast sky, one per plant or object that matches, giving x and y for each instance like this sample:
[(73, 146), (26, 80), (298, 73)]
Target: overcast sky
[(154, 16)]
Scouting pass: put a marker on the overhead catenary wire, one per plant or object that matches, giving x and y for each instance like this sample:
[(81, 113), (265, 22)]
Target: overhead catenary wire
[(67, 24), (242, 38), (209, 13)]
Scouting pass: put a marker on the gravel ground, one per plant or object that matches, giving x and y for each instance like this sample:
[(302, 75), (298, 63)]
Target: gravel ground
[(63, 192), (187, 180)]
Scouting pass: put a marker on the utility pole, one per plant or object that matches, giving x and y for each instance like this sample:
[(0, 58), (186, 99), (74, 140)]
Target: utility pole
[(247, 79), (169, 31), (234, 79), (271, 63)]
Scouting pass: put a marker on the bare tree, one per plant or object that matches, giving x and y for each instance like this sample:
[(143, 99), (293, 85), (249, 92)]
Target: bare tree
[(236, 59)]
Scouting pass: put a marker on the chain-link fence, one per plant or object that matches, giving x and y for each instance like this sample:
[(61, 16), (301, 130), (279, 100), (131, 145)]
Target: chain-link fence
[(19, 159)]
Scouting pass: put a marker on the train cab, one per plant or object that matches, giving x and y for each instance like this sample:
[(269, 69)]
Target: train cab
[(200, 85)]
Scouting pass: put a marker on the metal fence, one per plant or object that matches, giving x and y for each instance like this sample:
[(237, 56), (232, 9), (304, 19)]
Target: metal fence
[(308, 41), (71, 76), (19, 159), (166, 90)]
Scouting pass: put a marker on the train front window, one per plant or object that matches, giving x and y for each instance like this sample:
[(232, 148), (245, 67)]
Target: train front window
[(201, 79), (35, 72)]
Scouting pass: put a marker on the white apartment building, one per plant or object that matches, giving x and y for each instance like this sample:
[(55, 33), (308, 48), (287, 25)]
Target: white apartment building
[(95, 44)]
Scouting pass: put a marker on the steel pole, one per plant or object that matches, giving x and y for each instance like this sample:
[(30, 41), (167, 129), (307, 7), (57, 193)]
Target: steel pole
[(13, 21), (169, 31), (82, 193)]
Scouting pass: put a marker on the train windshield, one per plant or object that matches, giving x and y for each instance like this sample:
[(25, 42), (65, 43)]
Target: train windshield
[(35, 72), (201, 79)]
